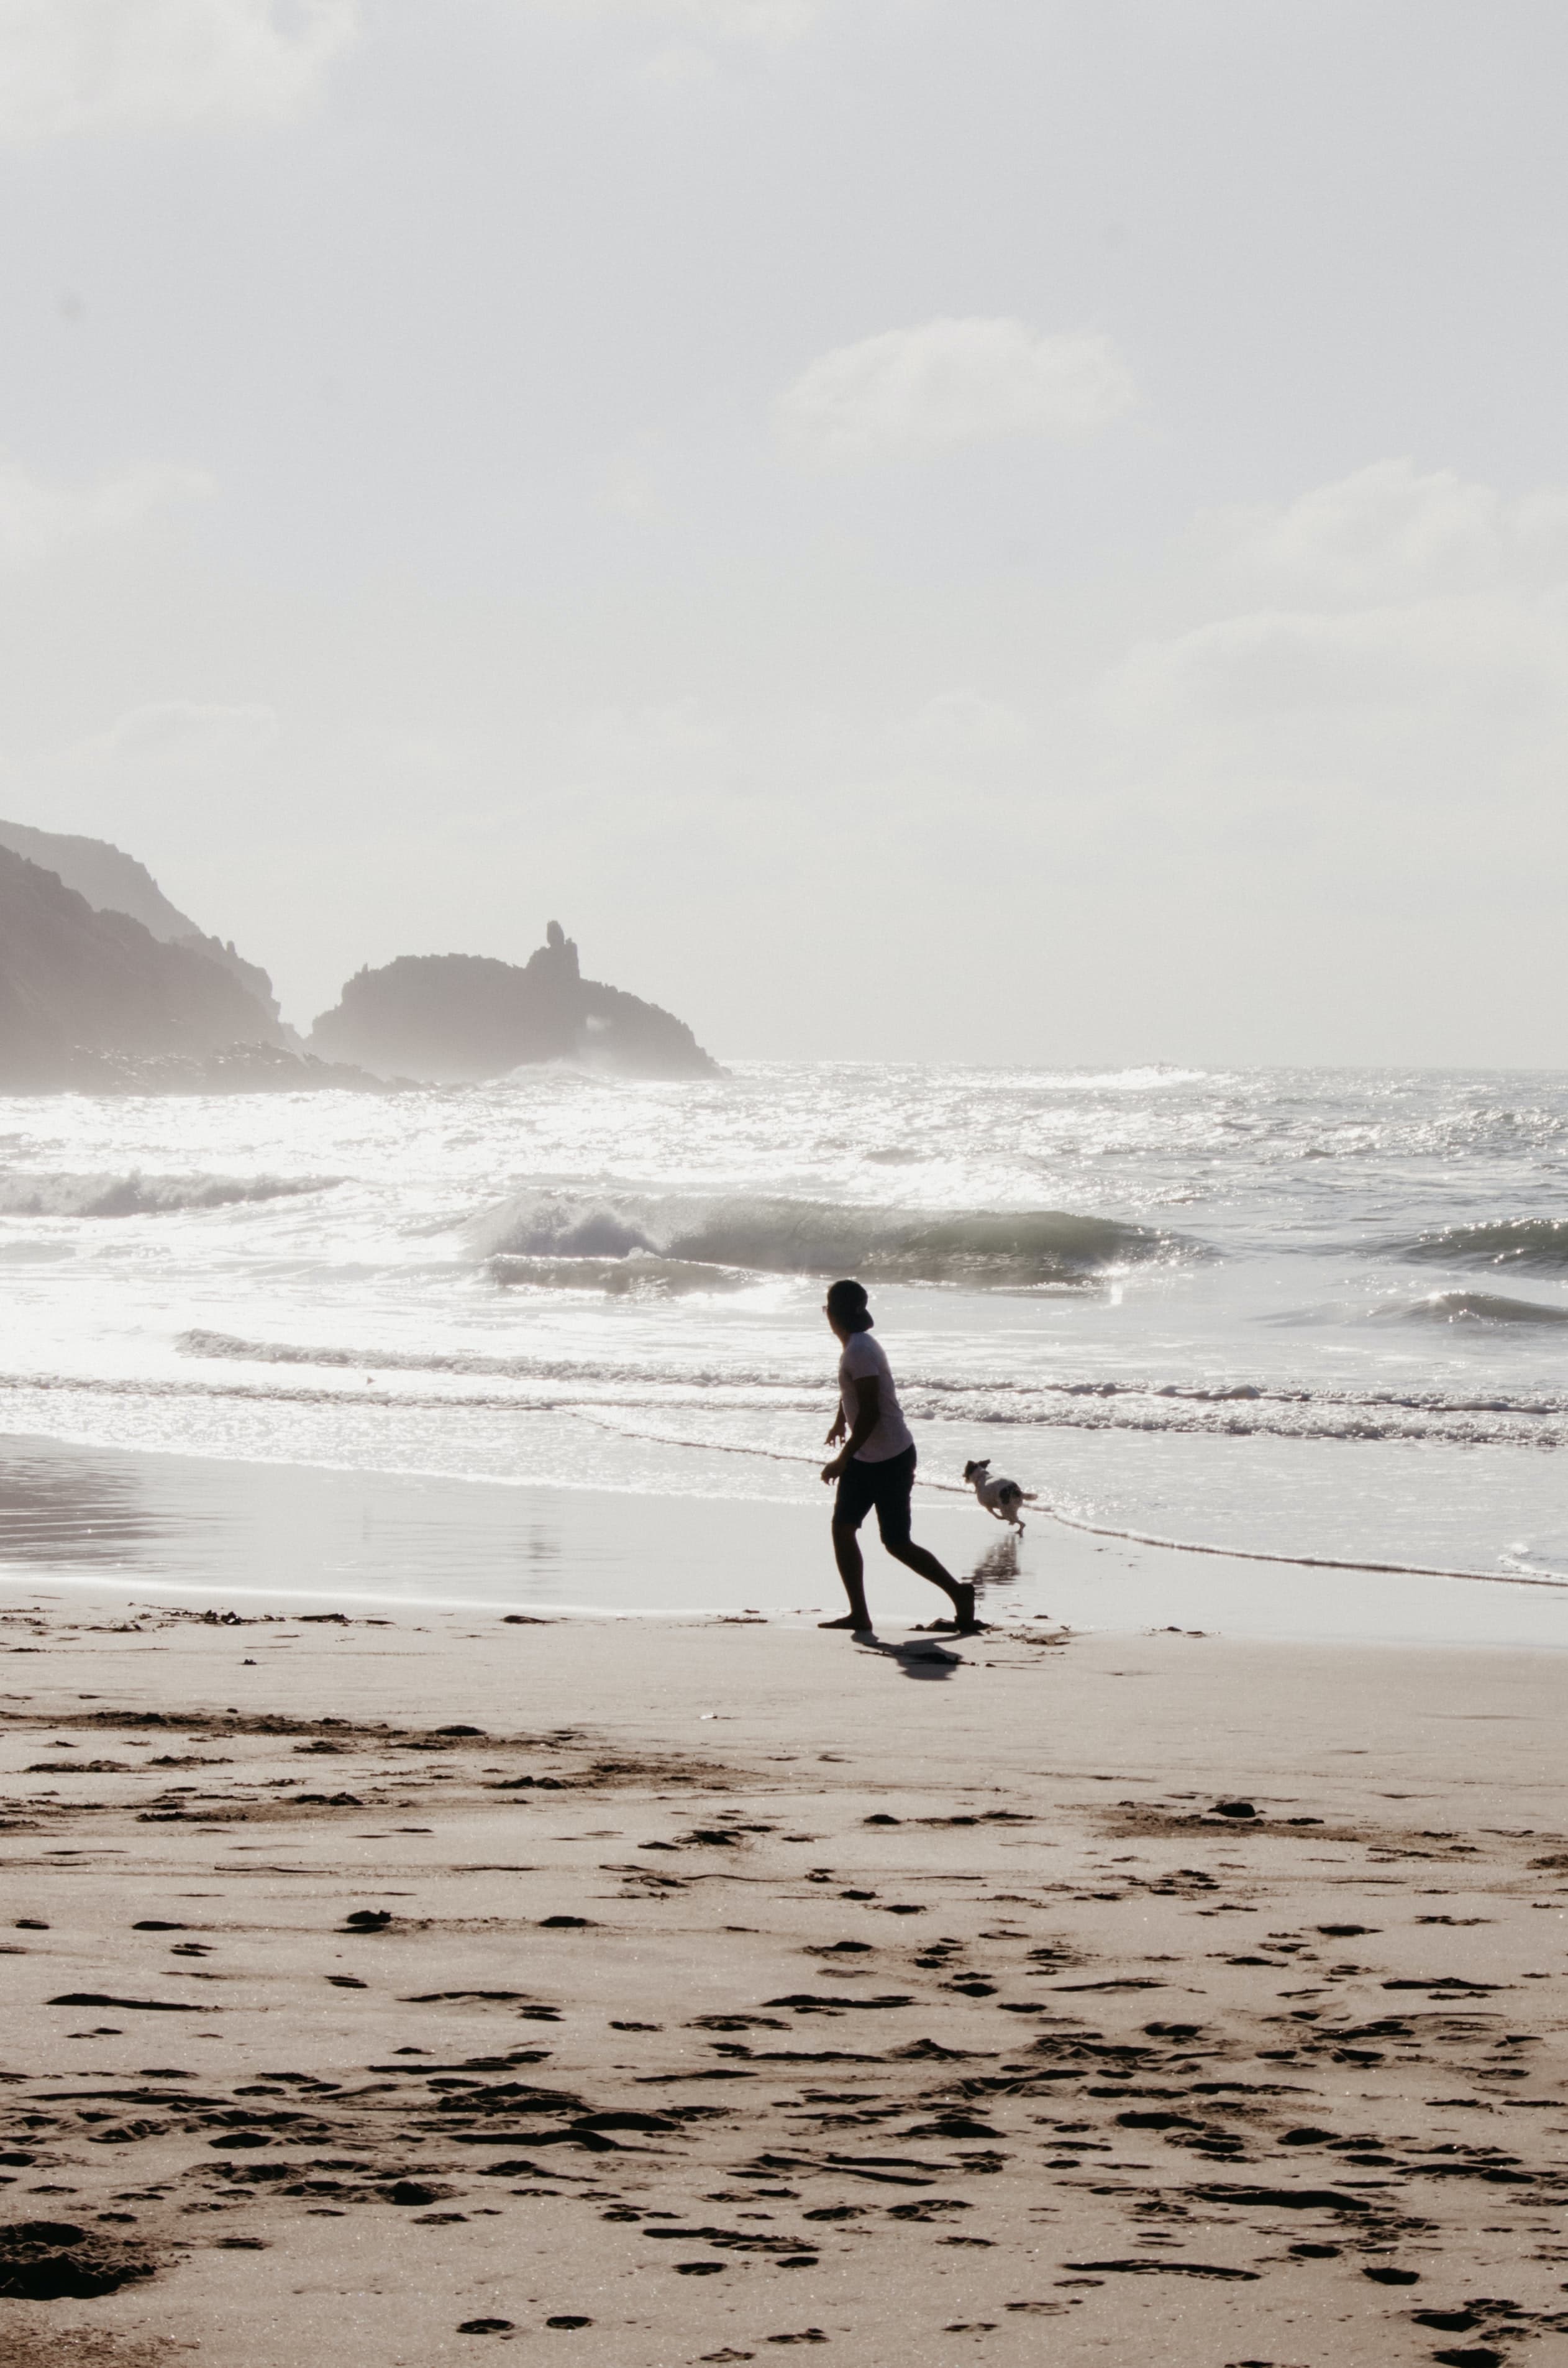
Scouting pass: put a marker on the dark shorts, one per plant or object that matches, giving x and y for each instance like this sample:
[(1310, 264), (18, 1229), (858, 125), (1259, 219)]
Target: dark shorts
[(886, 1485)]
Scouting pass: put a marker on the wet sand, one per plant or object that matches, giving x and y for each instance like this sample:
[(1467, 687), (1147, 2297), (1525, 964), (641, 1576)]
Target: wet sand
[(211, 1530), (400, 1989)]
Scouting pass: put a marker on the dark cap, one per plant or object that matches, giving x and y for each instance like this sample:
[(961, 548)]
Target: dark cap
[(846, 1306)]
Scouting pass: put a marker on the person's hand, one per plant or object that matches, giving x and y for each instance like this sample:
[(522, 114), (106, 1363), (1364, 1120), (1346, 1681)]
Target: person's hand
[(834, 1471), (839, 1428)]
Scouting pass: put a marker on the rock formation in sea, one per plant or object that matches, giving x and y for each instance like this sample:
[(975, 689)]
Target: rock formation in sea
[(457, 1018), (107, 986), (96, 1001)]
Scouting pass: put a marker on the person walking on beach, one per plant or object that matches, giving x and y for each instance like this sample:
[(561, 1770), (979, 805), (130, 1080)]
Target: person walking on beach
[(875, 1466)]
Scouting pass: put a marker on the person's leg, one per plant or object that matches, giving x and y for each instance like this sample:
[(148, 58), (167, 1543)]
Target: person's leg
[(959, 1591), (852, 1571), (852, 1502), (894, 1522)]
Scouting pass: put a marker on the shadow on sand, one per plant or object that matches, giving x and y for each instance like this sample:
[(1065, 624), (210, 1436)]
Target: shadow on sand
[(922, 1660)]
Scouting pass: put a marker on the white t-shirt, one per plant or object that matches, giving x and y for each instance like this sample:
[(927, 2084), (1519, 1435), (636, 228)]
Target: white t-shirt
[(862, 1358)]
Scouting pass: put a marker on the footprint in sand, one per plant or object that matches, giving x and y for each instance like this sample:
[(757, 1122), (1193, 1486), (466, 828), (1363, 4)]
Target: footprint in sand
[(54, 2260)]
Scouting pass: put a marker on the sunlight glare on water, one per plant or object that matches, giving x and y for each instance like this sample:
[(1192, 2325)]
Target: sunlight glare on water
[(1301, 1312)]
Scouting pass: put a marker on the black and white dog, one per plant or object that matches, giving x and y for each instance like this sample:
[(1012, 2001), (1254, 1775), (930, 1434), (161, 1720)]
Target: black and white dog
[(1000, 1497)]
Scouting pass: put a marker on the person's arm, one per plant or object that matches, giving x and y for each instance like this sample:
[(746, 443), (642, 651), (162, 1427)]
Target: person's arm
[(867, 1414)]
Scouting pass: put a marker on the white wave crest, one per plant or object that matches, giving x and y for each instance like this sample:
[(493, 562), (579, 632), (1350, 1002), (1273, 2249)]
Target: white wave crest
[(135, 1195), (1007, 1249)]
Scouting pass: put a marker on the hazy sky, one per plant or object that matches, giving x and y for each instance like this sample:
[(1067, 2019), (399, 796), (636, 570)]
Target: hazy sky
[(966, 528)]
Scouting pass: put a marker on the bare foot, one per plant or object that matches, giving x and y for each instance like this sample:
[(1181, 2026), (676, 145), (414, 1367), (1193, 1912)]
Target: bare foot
[(964, 1620), (856, 1627)]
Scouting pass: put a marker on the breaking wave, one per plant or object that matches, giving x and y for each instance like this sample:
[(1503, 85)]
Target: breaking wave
[(1474, 1307), (1022, 1249), (1536, 1244), (136, 1195), (639, 1275)]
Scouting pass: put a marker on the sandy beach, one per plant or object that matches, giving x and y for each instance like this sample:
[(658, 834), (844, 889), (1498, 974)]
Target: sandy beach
[(678, 1991)]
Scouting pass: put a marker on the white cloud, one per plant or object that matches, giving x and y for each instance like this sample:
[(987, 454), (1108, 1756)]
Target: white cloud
[(86, 65), (1420, 670), (1388, 531), (1423, 607), (632, 740), (38, 520), (629, 487), (742, 20), (1429, 657), (914, 391), (767, 21), (180, 733), (959, 726)]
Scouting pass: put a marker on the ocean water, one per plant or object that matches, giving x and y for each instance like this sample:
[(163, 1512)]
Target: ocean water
[(1318, 1315)]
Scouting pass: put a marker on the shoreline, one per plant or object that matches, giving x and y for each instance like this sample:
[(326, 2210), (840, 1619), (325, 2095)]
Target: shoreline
[(899, 1997), (151, 1524)]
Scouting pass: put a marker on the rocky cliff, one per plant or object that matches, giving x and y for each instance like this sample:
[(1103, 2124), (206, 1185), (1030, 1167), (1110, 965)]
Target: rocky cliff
[(456, 1019), (113, 882), (94, 1001)]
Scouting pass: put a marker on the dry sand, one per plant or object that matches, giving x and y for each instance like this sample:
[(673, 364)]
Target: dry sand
[(644, 1993)]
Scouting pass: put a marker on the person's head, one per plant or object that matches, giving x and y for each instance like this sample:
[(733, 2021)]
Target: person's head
[(846, 1308)]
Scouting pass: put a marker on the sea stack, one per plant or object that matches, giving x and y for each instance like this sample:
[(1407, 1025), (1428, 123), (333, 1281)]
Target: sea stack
[(460, 1018)]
